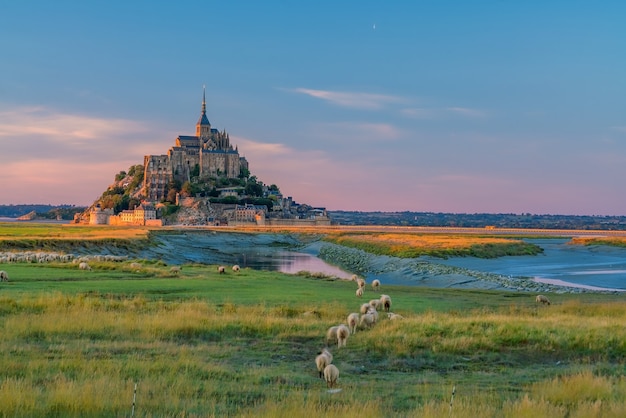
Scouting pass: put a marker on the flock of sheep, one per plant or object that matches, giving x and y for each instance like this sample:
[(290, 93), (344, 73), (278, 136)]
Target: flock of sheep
[(53, 257), (366, 318)]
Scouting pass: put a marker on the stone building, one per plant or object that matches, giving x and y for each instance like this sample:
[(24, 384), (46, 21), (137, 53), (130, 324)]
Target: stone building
[(208, 153)]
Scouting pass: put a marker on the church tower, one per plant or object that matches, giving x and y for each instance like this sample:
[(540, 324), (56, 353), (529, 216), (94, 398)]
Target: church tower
[(203, 127)]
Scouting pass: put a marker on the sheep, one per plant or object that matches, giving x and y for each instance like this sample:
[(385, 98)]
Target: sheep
[(236, 268), (221, 269), (4, 276), (331, 334), (84, 266), (542, 299), (359, 292), (322, 360), (353, 321), (365, 308), (367, 321), (393, 316), (385, 300), (376, 285), (175, 269), (331, 374), (343, 332), (375, 303), (359, 281)]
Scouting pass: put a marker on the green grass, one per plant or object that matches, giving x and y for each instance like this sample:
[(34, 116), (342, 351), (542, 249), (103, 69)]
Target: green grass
[(200, 344)]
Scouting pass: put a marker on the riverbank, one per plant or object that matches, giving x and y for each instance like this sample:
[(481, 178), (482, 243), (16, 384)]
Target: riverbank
[(426, 272)]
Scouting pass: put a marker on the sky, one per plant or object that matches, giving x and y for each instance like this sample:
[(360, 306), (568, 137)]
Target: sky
[(427, 106)]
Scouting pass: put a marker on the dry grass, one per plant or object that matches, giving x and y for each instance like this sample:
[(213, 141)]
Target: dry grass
[(398, 241), (32, 231)]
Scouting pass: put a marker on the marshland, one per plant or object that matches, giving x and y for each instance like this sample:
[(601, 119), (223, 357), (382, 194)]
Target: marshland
[(123, 339)]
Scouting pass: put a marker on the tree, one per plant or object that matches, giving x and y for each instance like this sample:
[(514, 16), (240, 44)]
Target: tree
[(244, 173)]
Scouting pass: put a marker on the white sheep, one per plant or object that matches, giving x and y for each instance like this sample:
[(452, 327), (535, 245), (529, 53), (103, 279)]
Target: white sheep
[(331, 374), (360, 282), (376, 285), (367, 321), (353, 321), (343, 332), (175, 269), (365, 308), (221, 269), (385, 300), (331, 335), (375, 303), (322, 360), (359, 292), (84, 266), (4, 276), (393, 316), (542, 299), (236, 268)]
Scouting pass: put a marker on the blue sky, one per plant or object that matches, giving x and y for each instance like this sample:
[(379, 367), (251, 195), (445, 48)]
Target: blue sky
[(442, 106)]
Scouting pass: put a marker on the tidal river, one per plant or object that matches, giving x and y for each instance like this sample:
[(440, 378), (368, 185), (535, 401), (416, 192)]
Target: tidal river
[(602, 267), (561, 263)]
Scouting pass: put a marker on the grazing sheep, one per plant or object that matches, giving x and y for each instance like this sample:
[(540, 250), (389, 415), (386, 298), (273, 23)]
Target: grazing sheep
[(365, 308), (84, 266), (4, 276), (236, 268), (359, 292), (331, 374), (353, 321), (322, 360), (331, 335), (367, 321), (175, 270), (360, 282), (376, 285), (221, 269), (343, 332), (375, 303), (542, 299), (385, 300), (393, 316)]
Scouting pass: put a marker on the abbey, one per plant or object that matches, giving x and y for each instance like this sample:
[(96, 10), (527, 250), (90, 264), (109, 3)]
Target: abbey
[(206, 154)]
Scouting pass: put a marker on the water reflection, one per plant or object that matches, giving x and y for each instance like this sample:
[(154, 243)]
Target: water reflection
[(289, 262)]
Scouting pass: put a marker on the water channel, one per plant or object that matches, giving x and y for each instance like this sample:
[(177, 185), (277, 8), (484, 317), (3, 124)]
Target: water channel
[(592, 267)]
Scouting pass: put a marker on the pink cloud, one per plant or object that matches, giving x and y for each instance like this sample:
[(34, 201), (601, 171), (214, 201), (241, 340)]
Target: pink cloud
[(57, 181)]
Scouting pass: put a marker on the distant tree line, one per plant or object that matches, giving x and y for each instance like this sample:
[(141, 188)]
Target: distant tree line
[(479, 220)]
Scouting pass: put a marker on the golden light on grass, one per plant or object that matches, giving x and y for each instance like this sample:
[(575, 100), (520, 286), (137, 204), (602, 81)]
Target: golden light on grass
[(436, 241)]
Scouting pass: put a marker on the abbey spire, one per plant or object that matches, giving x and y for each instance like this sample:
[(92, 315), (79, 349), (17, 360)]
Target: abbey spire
[(203, 127)]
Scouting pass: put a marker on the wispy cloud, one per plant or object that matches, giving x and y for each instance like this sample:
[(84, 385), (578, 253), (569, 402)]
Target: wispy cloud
[(468, 112), (52, 156), (360, 132), (443, 112), (351, 99), (26, 121)]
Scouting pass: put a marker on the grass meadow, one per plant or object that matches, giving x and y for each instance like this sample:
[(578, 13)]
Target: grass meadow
[(201, 344)]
